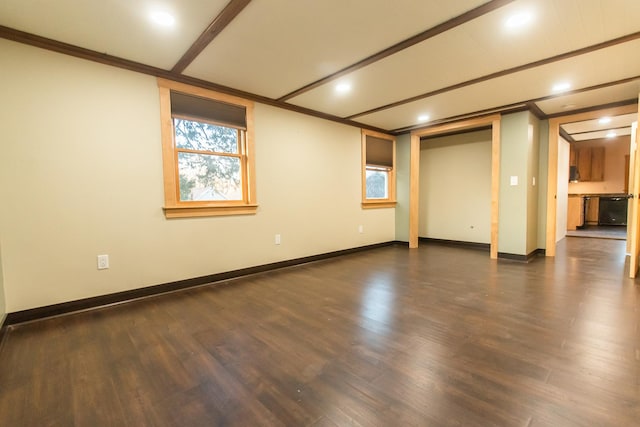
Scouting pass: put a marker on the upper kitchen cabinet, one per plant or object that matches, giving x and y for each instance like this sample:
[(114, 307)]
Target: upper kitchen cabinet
[(589, 162)]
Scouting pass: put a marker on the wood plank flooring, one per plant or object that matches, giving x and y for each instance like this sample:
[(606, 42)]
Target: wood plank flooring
[(389, 337)]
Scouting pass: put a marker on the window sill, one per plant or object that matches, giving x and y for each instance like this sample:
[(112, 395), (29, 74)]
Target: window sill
[(378, 204), (200, 211)]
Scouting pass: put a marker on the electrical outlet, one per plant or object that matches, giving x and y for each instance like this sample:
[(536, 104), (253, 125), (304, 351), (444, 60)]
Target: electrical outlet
[(360, 229), (277, 239), (103, 262)]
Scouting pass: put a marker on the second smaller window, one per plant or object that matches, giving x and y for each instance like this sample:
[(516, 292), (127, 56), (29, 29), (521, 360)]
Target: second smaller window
[(378, 170)]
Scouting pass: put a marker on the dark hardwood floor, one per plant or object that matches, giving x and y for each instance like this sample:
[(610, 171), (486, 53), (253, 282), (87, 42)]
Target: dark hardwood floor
[(389, 337)]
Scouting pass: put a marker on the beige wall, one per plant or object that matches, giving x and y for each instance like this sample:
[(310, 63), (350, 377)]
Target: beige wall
[(614, 152), (532, 183), (563, 189), (520, 153), (81, 175), (512, 232), (455, 187)]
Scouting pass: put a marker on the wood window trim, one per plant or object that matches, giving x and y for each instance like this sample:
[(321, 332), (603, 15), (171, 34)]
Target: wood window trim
[(389, 202), (173, 206)]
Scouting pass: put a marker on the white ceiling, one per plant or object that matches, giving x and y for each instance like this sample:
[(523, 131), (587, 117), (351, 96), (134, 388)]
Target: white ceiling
[(613, 133), (274, 48), (116, 27), (599, 128)]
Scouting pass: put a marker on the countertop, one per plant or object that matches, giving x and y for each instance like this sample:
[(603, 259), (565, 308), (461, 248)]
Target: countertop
[(598, 195)]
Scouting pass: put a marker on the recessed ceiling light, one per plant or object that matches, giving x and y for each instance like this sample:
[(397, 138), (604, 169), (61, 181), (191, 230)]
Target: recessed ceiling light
[(518, 20), (561, 87), (604, 120), (163, 18), (612, 134), (343, 88), (423, 117)]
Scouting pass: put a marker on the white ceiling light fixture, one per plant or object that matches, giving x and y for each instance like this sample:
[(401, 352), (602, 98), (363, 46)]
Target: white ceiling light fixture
[(518, 20), (423, 118), (163, 18), (604, 120), (343, 88), (561, 87)]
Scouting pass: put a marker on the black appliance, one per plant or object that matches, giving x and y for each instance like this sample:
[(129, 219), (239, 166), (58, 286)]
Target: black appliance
[(612, 211)]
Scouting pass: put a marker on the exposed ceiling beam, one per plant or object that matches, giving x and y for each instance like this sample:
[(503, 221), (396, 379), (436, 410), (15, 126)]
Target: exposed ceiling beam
[(91, 55), (456, 132), (114, 61), (225, 17), (418, 38), (586, 89), (78, 52), (632, 101), (564, 134), (533, 107), (513, 108), (524, 67), (505, 109), (619, 128)]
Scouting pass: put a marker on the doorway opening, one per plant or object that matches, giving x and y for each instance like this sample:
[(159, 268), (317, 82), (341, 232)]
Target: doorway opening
[(492, 122), (593, 177), (455, 188), (591, 201)]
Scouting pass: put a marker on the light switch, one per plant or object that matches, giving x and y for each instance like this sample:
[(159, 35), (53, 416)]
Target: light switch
[(514, 180)]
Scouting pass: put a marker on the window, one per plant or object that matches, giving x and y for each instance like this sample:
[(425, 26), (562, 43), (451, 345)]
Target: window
[(207, 150), (378, 170)]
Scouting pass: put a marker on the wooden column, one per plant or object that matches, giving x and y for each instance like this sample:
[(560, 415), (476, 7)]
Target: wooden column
[(495, 186), (414, 191), (552, 187)]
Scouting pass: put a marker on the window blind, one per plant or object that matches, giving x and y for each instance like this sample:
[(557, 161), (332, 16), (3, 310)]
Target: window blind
[(379, 152), (208, 110)]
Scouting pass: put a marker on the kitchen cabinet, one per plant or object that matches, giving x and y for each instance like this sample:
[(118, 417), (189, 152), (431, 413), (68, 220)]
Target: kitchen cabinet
[(583, 160), (600, 209), (590, 163), (597, 163), (575, 212)]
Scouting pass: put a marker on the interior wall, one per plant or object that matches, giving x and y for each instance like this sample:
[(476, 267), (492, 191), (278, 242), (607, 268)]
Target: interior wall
[(514, 162), (563, 189), (403, 160), (532, 184), (543, 172), (455, 187), (614, 151), (81, 175)]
